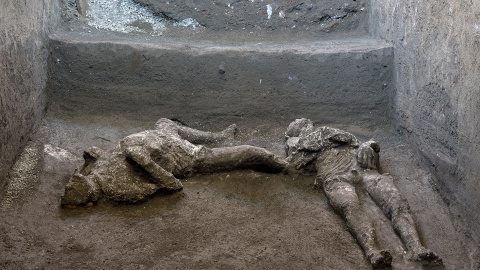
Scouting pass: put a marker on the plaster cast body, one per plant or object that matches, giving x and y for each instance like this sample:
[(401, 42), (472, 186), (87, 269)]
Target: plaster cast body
[(150, 161), (342, 163)]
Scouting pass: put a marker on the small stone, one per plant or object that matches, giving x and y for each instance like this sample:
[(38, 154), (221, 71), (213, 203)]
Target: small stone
[(221, 69)]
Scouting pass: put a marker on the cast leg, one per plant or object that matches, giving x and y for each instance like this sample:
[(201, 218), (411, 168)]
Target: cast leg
[(204, 137), (395, 207), (344, 200), (197, 136), (238, 157)]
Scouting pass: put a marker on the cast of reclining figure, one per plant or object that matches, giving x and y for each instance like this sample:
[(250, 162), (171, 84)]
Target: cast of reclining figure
[(341, 164), (153, 160)]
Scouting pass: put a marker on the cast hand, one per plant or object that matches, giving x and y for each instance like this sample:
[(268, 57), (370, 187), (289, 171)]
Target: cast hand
[(367, 155)]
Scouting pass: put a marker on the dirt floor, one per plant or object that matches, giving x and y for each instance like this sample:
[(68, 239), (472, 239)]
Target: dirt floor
[(235, 220)]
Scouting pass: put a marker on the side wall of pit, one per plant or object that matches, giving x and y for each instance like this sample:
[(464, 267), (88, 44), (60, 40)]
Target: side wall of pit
[(437, 72), (23, 72), (222, 86)]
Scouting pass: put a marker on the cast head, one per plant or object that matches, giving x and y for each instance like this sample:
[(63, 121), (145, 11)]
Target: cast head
[(80, 190)]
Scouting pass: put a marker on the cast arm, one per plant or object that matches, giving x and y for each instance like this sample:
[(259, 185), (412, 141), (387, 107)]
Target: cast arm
[(141, 156), (367, 155)]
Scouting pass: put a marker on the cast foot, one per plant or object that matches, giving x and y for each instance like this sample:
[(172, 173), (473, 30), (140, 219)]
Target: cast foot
[(173, 184), (281, 164), (380, 259), (266, 161), (425, 256), (229, 132)]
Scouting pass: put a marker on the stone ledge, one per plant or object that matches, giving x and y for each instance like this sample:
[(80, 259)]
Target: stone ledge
[(333, 81)]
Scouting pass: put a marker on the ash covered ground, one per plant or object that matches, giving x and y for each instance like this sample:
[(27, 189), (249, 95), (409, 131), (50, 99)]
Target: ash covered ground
[(235, 220)]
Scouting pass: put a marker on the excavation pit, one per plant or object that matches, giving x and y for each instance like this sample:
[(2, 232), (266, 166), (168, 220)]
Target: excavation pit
[(209, 72)]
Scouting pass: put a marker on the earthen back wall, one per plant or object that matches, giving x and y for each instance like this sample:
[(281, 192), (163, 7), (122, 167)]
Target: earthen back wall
[(23, 59), (437, 59)]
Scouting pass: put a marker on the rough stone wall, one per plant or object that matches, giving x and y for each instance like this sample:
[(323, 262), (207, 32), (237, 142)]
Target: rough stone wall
[(23, 65), (437, 45)]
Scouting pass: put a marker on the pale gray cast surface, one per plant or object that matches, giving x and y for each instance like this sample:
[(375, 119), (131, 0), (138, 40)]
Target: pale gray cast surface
[(343, 164), (150, 161)]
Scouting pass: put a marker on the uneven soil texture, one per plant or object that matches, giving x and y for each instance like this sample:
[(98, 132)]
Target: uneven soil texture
[(221, 15), (221, 20), (235, 220)]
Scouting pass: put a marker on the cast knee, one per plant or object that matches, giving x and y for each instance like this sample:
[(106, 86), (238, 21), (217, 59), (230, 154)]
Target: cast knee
[(395, 205), (164, 123), (342, 196)]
